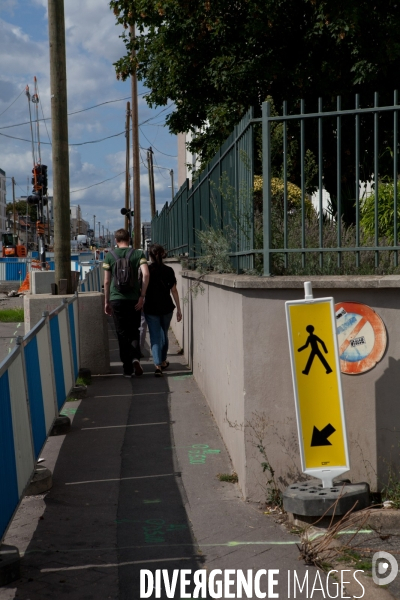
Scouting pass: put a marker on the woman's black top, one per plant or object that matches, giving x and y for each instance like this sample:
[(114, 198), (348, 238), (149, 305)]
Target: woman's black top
[(158, 298)]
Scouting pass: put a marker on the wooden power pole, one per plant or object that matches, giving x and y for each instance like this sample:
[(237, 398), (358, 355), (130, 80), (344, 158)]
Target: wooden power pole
[(135, 149), (151, 182), (59, 126), (127, 178), (13, 193)]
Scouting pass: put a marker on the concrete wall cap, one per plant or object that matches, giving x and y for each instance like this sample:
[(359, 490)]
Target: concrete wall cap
[(232, 280)]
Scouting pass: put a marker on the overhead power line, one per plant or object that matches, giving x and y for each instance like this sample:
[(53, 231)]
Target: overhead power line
[(10, 105), (160, 151), (98, 183), (13, 137), (75, 112)]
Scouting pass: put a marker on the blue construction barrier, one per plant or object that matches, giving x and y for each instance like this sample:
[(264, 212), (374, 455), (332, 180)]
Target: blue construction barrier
[(35, 380)]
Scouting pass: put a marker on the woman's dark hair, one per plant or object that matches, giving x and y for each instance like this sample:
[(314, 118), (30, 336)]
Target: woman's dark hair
[(157, 253)]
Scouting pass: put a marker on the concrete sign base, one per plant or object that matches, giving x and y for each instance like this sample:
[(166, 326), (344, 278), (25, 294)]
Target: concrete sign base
[(311, 499)]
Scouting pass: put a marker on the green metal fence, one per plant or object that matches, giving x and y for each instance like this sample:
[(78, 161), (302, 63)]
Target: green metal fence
[(365, 142), (221, 197), (347, 145)]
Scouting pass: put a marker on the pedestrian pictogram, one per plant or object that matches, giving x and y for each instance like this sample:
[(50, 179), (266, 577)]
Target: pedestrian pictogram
[(313, 341), (316, 376), (361, 336)]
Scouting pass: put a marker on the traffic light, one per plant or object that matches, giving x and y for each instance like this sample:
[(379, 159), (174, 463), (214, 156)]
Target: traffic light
[(39, 180), (34, 199), (127, 212), (44, 180)]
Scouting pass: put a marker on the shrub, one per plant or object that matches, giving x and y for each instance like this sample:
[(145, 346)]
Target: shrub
[(385, 211)]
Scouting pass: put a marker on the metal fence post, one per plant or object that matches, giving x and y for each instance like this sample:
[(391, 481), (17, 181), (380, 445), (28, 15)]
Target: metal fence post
[(266, 164)]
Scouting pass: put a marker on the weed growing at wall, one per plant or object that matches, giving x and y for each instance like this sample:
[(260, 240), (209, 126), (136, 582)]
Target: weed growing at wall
[(261, 432), (391, 491)]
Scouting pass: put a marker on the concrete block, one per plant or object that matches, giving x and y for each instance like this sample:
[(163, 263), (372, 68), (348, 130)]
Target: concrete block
[(40, 281), (62, 425), (311, 499), (93, 334), (41, 482), (385, 520), (9, 564)]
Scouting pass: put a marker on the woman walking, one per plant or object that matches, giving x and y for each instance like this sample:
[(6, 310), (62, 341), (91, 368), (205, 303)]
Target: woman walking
[(158, 307)]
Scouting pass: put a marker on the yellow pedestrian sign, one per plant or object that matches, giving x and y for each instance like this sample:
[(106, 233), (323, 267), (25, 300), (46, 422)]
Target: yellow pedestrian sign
[(317, 386)]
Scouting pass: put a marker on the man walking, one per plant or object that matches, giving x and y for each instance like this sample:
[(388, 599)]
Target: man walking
[(124, 299)]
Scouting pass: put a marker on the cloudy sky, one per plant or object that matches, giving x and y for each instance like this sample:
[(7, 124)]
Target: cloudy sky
[(93, 45)]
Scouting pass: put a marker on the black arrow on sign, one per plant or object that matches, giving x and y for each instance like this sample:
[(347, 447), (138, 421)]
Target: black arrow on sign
[(320, 438)]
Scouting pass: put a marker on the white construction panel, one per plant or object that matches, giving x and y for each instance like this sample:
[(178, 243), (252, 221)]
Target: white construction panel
[(76, 320), (46, 376), (21, 425), (65, 350)]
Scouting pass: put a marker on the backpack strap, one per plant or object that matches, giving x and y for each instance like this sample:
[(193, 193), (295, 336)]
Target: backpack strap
[(127, 256)]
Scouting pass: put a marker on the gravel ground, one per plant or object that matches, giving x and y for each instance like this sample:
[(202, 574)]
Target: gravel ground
[(5, 302)]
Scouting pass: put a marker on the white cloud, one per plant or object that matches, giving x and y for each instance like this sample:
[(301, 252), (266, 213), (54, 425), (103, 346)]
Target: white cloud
[(93, 44)]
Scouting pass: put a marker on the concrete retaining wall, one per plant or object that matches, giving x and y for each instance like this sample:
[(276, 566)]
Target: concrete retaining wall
[(235, 339), (93, 334)]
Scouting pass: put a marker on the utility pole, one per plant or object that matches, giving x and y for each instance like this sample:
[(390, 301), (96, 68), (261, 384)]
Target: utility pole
[(99, 231), (94, 227), (13, 193), (172, 183), (135, 147), (151, 182), (59, 126), (26, 219), (48, 222), (127, 161), (103, 233)]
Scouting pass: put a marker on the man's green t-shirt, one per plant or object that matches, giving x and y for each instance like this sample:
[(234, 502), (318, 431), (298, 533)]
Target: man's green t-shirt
[(137, 259)]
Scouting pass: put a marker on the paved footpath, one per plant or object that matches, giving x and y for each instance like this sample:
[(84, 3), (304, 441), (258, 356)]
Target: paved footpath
[(130, 492)]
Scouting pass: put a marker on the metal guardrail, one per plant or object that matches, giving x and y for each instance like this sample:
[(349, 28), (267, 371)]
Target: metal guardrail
[(35, 380), (92, 277)]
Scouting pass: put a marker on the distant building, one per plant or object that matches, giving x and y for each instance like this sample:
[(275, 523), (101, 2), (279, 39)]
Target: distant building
[(3, 215), (187, 162), (78, 225)]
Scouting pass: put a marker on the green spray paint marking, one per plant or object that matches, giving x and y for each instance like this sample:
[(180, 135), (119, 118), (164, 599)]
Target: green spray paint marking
[(151, 501), (198, 453), (155, 530), (68, 411)]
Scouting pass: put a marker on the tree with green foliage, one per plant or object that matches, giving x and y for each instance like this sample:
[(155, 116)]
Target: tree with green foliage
[(20, 209), (215, 59)]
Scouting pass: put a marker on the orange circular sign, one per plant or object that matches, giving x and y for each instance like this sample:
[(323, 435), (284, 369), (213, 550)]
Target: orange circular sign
[(361, 335)]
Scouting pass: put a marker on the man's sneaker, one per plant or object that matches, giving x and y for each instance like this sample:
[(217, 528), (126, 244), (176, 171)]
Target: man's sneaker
[(128, 375), (137, 367)]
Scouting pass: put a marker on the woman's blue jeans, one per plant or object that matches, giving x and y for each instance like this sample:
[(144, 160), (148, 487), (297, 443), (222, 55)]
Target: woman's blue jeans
[(158, 329)]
